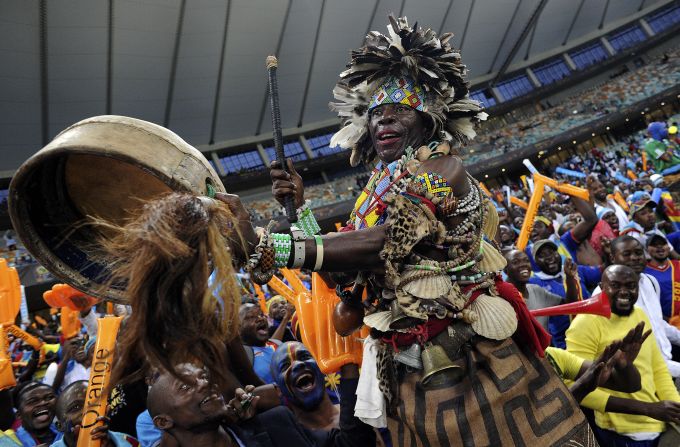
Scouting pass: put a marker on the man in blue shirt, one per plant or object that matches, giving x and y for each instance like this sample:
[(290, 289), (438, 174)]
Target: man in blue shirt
[(674, 240), (543, 229), (254, 331), (36, 403), (573, 238), (551, 277), (667, 273)]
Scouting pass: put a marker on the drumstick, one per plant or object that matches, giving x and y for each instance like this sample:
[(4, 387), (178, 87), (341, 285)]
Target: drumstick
[(272, 63)]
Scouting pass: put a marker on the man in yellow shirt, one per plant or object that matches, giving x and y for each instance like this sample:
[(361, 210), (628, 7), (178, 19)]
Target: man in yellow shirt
[(626, 419), (613, 369)]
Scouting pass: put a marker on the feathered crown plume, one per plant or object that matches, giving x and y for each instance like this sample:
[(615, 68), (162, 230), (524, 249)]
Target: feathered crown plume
[(415, 54)]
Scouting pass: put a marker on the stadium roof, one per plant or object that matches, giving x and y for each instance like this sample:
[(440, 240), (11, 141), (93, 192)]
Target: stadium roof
[(197, 66)]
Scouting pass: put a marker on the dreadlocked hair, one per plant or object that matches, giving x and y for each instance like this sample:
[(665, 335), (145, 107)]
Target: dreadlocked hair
[(163, 260)]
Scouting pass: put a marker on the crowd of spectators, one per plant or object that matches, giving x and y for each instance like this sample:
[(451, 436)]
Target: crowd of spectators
[(580, 108), (576, 250), (623, 243), (576, 110)]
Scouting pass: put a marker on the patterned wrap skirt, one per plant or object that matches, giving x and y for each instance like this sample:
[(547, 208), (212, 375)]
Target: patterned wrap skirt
[(507, 397)]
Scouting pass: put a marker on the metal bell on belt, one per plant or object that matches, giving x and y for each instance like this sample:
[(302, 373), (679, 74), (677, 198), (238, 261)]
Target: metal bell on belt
[(438, 369), (411, 356)]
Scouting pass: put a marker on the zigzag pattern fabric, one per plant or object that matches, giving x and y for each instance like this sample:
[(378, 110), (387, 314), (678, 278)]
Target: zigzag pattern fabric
[(511, 398)]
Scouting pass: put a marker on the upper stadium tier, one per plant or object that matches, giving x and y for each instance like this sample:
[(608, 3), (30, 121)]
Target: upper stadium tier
[(197, 67)]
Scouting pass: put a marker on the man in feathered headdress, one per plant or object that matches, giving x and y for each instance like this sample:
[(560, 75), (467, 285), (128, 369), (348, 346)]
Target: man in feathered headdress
[(441, 366)]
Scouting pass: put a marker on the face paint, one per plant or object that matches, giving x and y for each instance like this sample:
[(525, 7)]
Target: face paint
[(297, 375)]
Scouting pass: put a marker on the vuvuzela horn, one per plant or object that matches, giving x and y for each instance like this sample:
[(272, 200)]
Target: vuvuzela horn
[(597, 305)]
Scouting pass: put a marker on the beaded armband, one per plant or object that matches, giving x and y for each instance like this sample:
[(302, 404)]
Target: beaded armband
[(306, 221), (437, 190), (283, 246)]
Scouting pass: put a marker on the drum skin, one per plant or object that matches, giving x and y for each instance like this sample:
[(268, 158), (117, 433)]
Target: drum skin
[(105, 167)]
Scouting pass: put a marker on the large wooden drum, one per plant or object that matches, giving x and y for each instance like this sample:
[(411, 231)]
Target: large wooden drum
[(105, 167)]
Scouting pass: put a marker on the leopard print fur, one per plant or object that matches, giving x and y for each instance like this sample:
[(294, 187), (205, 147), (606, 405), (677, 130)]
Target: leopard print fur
[(409, 223)]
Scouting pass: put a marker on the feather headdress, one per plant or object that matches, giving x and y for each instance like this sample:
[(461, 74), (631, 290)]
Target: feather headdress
[(415, 54)]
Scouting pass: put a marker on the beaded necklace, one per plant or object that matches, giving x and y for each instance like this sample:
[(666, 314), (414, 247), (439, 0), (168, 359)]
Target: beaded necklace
[(369, 207)]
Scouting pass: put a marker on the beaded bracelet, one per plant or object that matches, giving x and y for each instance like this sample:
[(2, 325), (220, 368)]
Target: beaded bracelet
[(306, 221), (283, 247)]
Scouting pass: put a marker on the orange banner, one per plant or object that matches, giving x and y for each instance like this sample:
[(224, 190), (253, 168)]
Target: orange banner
[(30, 340), (532, 210), (261, 298), (294, 280), (281, 288), (7, 379), (70, 324), (564, 188), (10, 293), (485, 189), (618, 198), (100, 373)]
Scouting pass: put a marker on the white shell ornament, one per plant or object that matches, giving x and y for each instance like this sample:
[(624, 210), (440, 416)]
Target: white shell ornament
[(423, 153), (442, 149), (492, 221), (492, 260), (379, 320), (496, 319), (412, 166), (425, 286)]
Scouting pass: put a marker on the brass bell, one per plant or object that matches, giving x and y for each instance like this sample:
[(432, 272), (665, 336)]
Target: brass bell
[(411, 356), (399, 319), (438, 369)]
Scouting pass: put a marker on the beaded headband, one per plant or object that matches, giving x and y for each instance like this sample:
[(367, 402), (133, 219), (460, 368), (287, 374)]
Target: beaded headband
[(400, 90)]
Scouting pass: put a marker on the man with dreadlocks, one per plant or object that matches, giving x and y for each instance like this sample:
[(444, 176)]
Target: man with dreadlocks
[(453, 351)]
